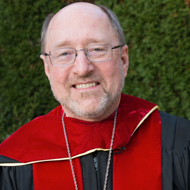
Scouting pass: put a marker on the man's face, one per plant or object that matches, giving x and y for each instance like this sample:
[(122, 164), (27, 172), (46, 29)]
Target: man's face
[(86, 90)]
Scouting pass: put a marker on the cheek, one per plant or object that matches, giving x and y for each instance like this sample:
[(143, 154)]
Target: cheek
[(57, 76), (112, 74), (115, 70)]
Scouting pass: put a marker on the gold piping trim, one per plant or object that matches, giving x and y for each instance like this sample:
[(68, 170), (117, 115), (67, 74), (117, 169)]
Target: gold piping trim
[(51, 160), (79, 155), (142, 120)]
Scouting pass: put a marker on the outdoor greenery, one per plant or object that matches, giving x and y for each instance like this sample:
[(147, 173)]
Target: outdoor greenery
[(158, 36)]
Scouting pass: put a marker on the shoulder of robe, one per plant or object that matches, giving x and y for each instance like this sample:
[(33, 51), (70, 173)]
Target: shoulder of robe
[(175, 132), (32, 134)]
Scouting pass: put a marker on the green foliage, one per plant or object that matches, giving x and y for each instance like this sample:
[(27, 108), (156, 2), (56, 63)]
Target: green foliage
[(158, 36), (25, 91), (157, 33)]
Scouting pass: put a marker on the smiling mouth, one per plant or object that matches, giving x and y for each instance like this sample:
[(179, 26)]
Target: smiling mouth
[(87, 85)]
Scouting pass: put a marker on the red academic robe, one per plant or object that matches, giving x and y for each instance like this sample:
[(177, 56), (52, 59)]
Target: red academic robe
[(41, 143)]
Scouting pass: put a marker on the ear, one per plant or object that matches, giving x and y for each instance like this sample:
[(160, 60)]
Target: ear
[(125, 59), (46, 66)]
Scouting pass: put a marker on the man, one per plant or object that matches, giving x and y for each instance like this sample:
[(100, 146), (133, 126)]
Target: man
[(97, 138)]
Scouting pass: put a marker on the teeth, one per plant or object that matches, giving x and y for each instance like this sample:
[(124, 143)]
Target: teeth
[(88, 85)]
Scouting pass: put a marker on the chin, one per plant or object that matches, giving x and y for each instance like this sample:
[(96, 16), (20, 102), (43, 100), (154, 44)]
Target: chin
[(91, 109), (88, 109)]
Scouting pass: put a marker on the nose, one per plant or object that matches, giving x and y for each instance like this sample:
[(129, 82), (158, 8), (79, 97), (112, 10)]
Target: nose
[(82, 66)]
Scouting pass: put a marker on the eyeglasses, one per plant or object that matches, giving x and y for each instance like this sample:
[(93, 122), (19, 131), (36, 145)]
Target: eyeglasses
[(94, 53)]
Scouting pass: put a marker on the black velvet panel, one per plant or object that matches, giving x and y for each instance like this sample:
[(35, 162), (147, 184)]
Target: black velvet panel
[(15, 177), (93, 178), (4, 159), (175, 152)]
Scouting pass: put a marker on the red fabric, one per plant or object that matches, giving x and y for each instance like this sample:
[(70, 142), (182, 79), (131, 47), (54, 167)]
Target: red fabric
[(139, 166), (56, 175), (43, 138)]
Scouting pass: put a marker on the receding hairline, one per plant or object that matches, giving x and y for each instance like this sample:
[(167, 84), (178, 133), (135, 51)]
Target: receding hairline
[(78, 6)]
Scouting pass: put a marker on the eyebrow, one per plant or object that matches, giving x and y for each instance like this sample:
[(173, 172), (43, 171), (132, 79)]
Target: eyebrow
[(68, 43), (62, 44)]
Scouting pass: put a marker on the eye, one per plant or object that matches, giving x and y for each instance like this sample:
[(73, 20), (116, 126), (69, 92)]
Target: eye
[(63, 53), (98, 49)]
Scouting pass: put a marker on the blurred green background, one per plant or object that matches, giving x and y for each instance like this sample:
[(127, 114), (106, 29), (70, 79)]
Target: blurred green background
[(157, 33)]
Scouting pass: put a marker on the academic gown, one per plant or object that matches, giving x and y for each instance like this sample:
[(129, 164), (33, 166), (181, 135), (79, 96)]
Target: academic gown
[(150, 151)]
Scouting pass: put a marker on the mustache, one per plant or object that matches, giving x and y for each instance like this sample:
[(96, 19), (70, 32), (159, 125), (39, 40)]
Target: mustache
[(86, 78)]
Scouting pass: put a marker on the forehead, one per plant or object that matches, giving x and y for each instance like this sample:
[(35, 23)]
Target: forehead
[(80, 24)]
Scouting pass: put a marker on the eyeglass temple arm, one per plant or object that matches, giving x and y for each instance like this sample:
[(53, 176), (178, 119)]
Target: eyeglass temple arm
[(46, 54), (115, 47)]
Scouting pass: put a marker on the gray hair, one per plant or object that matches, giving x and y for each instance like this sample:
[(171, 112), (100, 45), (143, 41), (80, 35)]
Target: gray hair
[(115, 23), (44, 31), (112, 17)]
